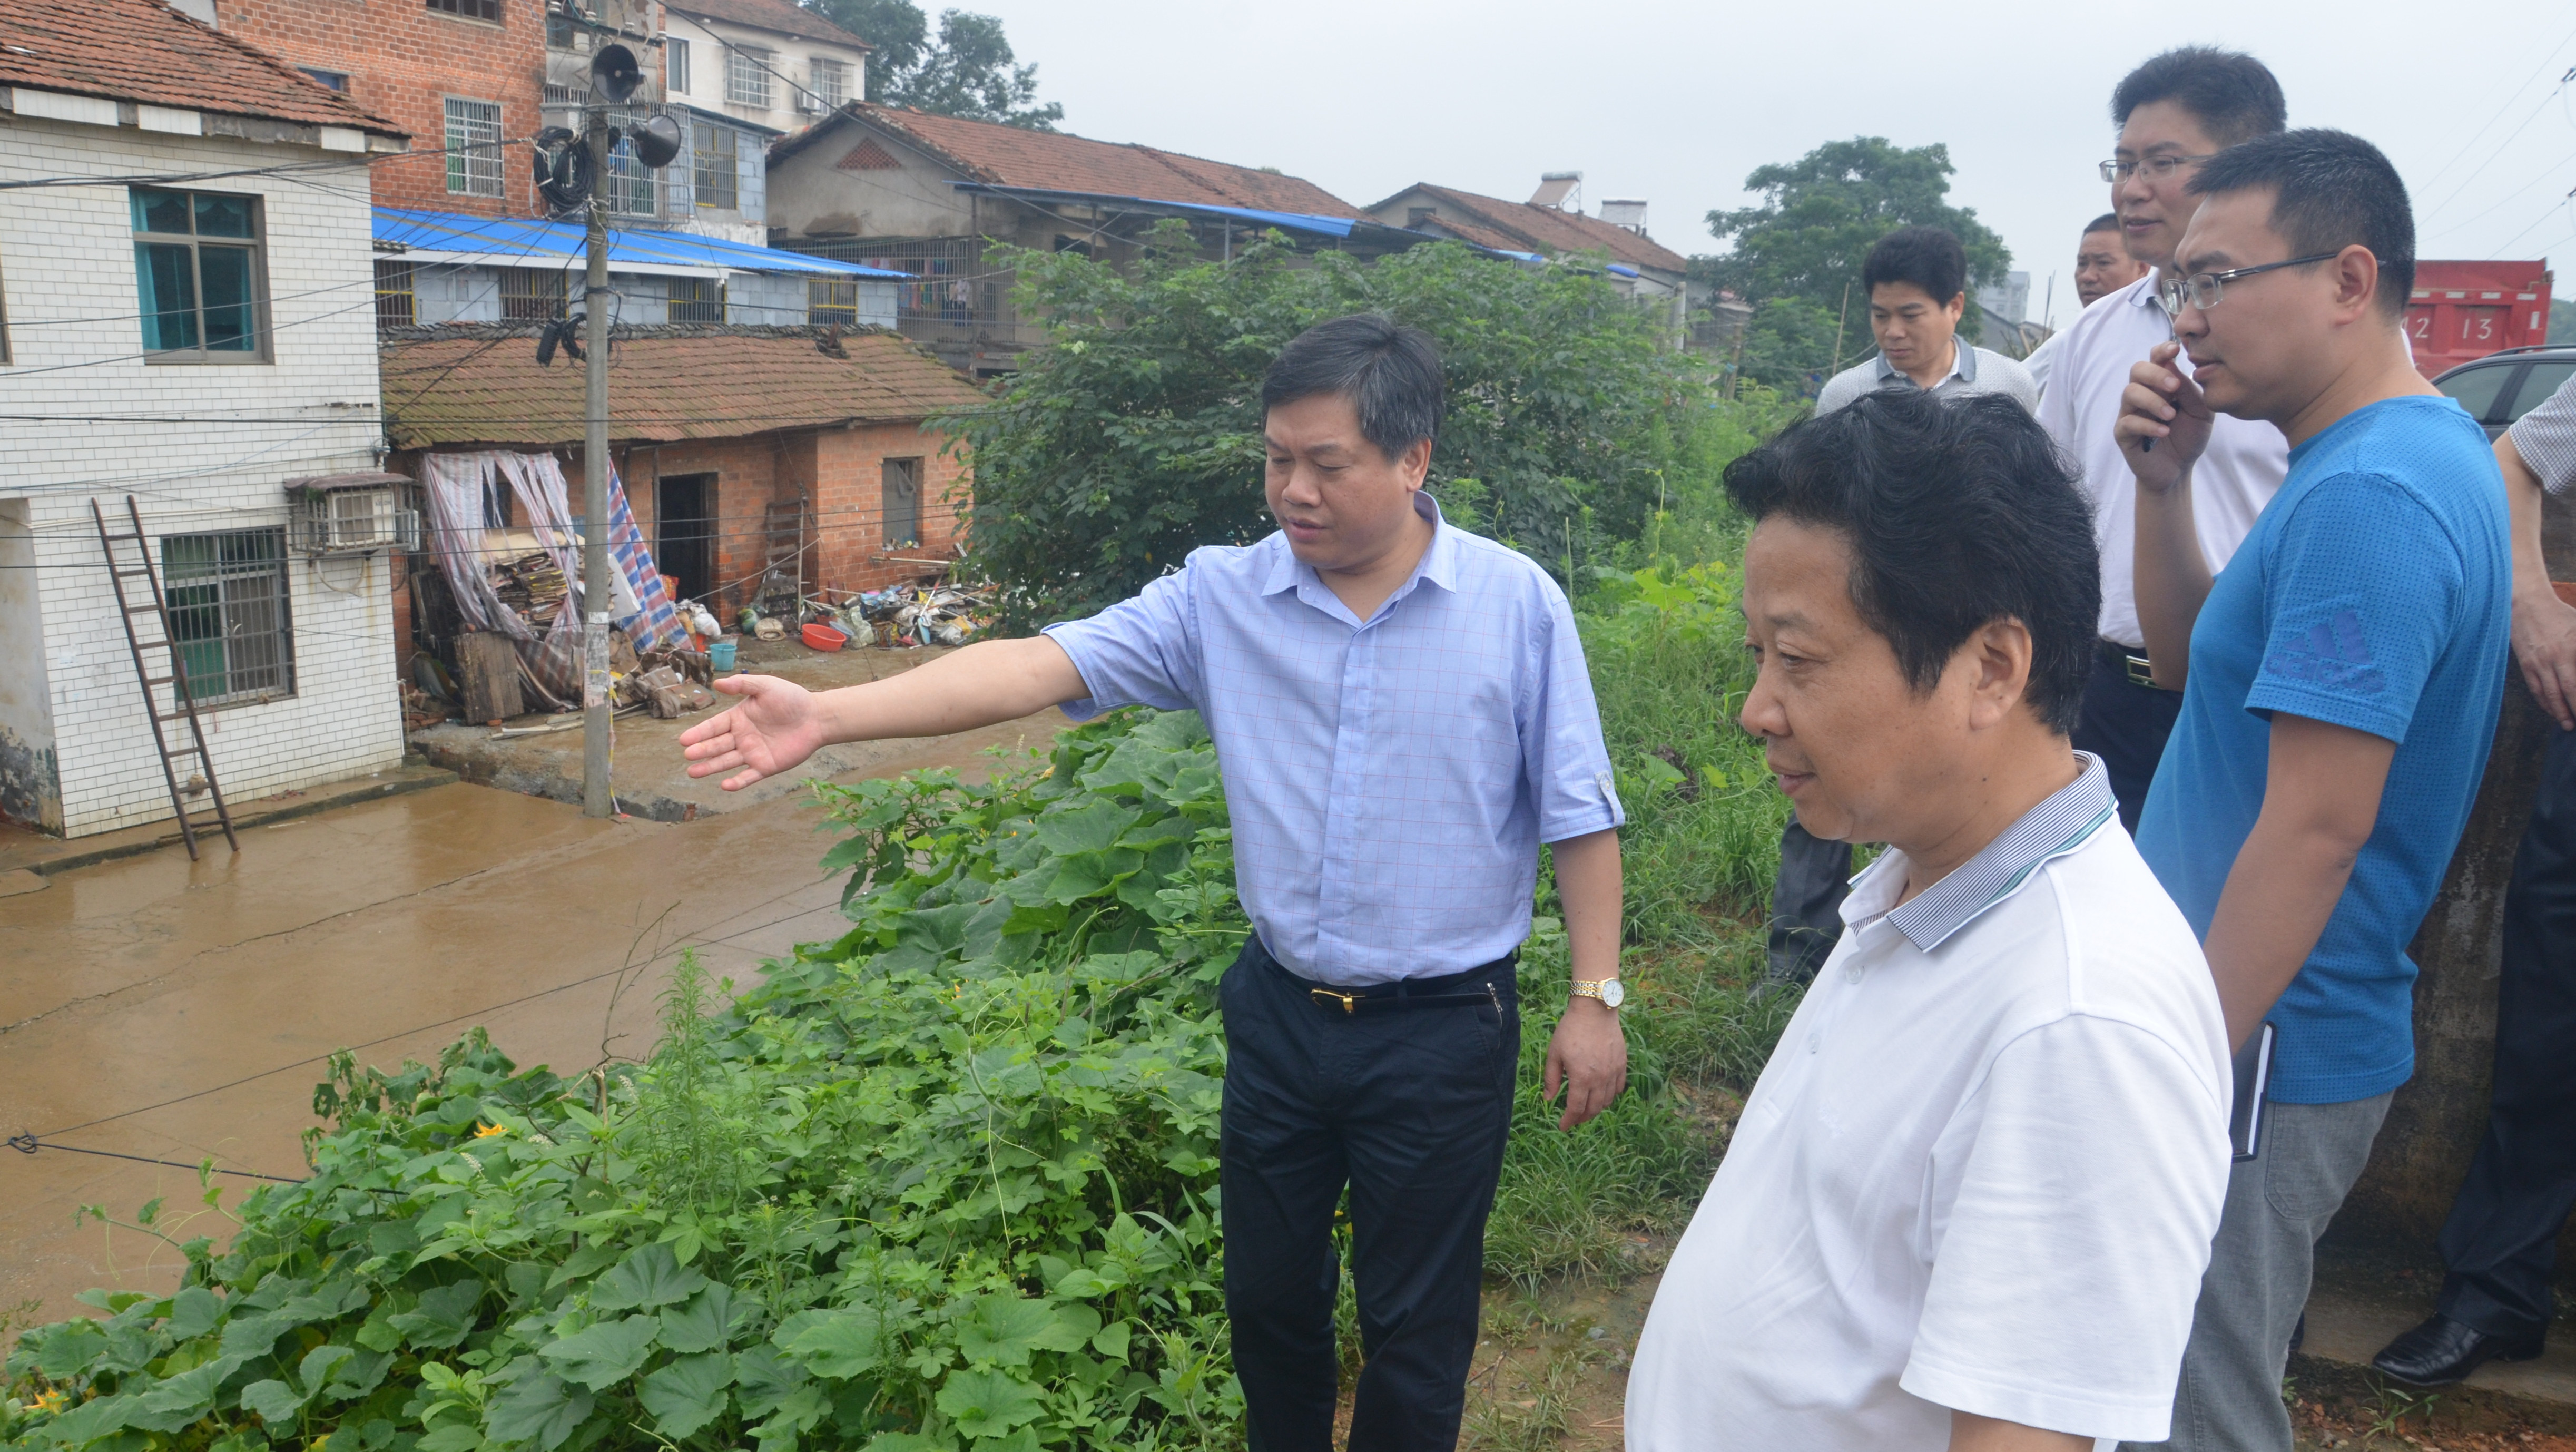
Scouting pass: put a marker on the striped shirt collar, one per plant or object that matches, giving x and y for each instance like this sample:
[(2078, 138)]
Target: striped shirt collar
[(2057, 826), (1438, 565)]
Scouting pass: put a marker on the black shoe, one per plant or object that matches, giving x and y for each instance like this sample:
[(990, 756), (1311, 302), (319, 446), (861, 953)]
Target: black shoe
[(2442, 1351)]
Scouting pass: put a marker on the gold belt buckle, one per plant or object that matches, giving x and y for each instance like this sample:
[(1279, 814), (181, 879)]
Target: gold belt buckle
[(2142, 671), (1350, 1002)]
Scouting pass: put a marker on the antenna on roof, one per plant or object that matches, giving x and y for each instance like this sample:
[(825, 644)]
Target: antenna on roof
[(1560, 189)]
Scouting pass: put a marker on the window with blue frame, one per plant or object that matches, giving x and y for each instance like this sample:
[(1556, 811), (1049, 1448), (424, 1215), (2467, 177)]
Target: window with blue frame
[(198, 276)]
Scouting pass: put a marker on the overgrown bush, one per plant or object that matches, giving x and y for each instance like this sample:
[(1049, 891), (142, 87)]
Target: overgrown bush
[(1135, 436), (943, 1184)]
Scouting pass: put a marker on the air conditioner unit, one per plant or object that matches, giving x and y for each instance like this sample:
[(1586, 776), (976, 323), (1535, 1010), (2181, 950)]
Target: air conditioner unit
[(810, 104), (351, 514)]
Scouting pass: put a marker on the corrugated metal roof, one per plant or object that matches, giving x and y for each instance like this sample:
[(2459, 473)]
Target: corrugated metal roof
[(505, 240), (482, 385)]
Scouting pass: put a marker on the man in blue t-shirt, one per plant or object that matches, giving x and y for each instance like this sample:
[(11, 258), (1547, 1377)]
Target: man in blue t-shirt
[(2339, 687)]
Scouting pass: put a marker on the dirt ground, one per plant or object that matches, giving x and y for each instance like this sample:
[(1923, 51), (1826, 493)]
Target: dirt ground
[(168, 1010), (1552, 1373)]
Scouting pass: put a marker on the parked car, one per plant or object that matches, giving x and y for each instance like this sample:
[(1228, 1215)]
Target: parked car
[(2502, 387)]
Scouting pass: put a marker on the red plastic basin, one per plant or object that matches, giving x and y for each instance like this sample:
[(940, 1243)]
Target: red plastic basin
[(824, 637)]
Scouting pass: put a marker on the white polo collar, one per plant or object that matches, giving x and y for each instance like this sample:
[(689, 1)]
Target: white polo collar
[(2065, 821)]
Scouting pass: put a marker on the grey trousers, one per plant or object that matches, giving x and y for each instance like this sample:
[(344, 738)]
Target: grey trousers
[(2259, 1270)]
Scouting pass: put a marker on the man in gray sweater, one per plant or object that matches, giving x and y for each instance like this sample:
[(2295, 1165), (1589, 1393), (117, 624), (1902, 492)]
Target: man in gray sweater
[(1917, 279)]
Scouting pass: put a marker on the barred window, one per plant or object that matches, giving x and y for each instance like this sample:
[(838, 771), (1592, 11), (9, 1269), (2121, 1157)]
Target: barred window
[(716, 159), (632, 191), (473, 147), (830, 301), (397, 304), (226, 594), (697, 300), (197, 275), (831, 82), (675, 65), (531, 294), (470, 9), (747, 75)]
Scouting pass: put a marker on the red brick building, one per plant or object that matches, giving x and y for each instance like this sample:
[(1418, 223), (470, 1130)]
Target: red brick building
[(462, 76), (720, 432)]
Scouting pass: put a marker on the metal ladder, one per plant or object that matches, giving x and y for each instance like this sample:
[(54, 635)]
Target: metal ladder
[(157, 607)]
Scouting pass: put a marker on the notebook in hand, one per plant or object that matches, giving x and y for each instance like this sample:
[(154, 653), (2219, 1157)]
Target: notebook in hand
[(2253, 1086)]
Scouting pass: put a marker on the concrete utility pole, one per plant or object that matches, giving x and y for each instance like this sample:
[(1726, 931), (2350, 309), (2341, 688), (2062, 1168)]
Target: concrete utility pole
[(597, 800)]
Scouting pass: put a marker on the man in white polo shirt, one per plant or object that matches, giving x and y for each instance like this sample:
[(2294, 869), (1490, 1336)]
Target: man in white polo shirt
[(1969, 1204), (2174, 112)]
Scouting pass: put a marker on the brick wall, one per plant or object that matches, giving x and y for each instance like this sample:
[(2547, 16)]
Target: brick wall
[(66, 254), (841, 470), (403, 60)]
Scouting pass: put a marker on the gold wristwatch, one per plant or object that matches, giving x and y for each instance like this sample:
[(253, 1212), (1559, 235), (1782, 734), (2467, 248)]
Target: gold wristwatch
[(1607, 990)]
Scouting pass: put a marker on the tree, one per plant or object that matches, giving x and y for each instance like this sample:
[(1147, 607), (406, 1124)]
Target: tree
[(967, 70), (1135, 436), (1806, 240)]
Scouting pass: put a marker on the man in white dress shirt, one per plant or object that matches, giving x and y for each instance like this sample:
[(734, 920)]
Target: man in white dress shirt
[(1969, 1204), (2174, 112)]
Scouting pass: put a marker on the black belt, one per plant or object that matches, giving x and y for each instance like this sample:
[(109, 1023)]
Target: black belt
[(2132, 664), (1454, 990)]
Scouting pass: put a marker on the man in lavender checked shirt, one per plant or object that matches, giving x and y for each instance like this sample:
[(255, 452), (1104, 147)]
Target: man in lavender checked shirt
[(1402, 714)]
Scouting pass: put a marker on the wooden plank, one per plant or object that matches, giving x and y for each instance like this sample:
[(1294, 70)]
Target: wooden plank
[(487, 669)]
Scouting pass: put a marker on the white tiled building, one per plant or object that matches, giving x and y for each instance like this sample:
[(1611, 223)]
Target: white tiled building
[(194, 343)]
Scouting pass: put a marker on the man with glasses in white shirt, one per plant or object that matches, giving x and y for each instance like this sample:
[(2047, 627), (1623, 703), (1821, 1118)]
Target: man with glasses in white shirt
[(2174, 112)]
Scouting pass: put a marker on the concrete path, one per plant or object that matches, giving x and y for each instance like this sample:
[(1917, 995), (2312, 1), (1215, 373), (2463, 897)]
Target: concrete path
[(174, 1010)]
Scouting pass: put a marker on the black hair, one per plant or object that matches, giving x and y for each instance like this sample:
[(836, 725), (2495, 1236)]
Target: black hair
[(1959, 514), (1390, 373), (1927, 257), (2234, 96), (2331, 189), (2107, 222)]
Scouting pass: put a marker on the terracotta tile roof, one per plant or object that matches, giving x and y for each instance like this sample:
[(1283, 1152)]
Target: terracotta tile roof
[(144, 51), (1548, 230), (776, 15), (482, 385), (1053, 161)]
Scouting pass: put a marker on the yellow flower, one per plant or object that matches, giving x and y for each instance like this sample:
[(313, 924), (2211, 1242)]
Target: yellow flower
[(318, 1443), (481, 1131), (51, 1401)]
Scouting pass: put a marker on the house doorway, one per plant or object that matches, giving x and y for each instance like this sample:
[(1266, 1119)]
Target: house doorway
[(684, 530)]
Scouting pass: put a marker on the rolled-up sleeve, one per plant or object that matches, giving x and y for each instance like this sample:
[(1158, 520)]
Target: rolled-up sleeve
[(1142, 651), (2546, 438), (1569, 767)]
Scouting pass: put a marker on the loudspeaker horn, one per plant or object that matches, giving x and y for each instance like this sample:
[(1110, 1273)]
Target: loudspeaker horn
[(657, 141), (614, 73)]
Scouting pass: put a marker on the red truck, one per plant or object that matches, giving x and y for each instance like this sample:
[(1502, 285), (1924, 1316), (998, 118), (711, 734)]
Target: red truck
[(2465, 310)]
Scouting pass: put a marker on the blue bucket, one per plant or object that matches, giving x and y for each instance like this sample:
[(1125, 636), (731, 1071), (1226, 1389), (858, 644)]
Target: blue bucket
[(720, 654)]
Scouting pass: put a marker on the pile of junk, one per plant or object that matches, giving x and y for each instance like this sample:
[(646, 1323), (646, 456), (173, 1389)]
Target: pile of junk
[(900, 616)]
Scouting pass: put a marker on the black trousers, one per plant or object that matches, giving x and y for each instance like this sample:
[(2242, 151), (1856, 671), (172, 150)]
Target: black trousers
[(1807, 904), (2502, 1237), (1409, 1108), (2126, 725)]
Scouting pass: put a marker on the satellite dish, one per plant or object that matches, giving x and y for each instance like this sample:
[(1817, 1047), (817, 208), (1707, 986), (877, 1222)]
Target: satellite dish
[(657, 141), (614, 73)]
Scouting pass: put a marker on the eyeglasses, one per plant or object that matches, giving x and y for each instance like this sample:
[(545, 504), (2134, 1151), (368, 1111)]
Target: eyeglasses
[(2204, 289), (2157, 168)]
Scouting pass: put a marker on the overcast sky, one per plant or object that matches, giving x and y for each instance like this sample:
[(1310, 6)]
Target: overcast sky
[(1675, 102)]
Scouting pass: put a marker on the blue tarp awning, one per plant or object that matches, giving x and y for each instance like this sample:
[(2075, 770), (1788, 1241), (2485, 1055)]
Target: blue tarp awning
[(629, 250)]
